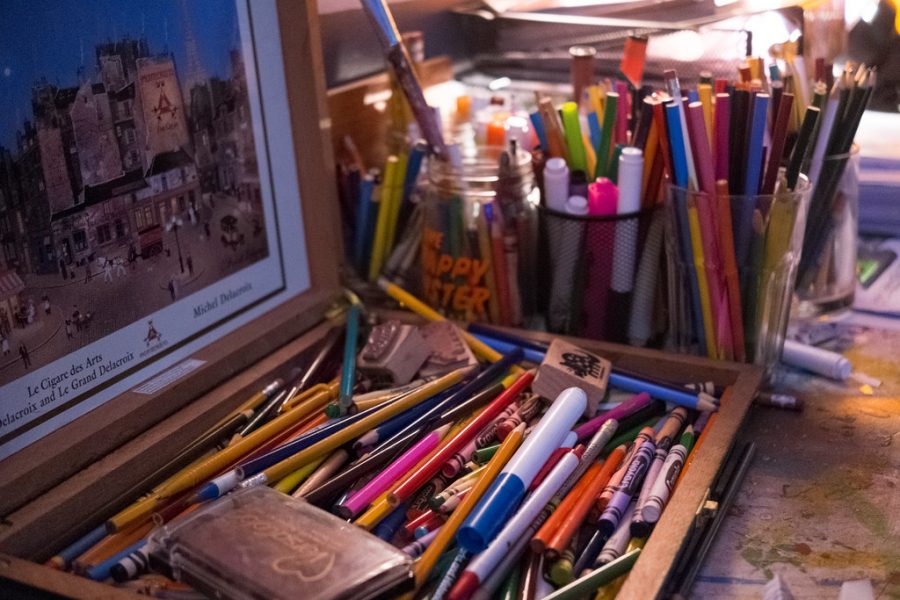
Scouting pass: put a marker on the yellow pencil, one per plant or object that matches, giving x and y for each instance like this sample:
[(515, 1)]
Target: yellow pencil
[(396, 198), (379, 509), (292, 463), (384, 215), (589, 154), (486, 253), (597, 97), (480, 349), (705, 307), (287, 484), (448, 529), (203, 470), (704, 90)]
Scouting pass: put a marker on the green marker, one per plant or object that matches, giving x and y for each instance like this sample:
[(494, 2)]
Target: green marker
[(609, 125), (577, 157), (614, 164)]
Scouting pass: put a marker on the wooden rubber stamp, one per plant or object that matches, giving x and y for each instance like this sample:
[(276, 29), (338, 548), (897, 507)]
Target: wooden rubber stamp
[(566, 365), (393, 352)]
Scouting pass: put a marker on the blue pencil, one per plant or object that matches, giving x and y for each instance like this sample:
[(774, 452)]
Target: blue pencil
[(755, 145), (628, 383), (743, 223), (348, 371), (395, 424), (596, 132), (389, 525), (679, 166), (539, 130), (79, 547), (364, 219)]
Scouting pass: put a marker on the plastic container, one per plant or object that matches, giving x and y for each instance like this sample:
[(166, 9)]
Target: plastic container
[(826, 280)]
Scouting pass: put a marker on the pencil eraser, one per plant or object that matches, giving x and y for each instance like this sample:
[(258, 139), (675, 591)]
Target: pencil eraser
[(394, 352), (447, 347), (566, 365)]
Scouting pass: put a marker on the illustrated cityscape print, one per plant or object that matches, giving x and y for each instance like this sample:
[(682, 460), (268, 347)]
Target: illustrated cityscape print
[(127, 181)]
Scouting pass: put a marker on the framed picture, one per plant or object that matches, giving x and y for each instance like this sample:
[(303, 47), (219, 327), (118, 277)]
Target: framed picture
[(149, 198)]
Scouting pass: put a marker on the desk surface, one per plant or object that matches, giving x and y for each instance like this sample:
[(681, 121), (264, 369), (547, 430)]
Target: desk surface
[(821, 503)]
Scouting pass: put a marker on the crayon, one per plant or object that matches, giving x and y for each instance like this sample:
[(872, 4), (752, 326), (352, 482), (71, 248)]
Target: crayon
[(618, 542), (664, 484), (596, 578), (415, 548)]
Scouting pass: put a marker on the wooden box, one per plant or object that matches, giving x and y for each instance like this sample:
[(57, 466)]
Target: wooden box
[(62, 486)]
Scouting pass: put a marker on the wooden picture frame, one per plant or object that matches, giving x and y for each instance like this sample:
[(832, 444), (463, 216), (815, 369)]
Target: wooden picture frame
[(47, 462)]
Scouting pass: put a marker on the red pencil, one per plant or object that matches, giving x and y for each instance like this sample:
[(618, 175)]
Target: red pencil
[(413, 481), (722, 134), (779, 135)]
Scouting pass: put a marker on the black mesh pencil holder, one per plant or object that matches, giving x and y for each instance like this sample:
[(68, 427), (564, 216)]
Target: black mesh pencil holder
[(601, 277)]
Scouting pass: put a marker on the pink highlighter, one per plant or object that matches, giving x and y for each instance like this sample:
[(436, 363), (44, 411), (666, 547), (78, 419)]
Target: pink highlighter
[(603, 200)]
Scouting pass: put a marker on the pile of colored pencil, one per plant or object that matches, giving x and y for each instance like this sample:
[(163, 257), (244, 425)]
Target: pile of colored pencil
[(482, 482)]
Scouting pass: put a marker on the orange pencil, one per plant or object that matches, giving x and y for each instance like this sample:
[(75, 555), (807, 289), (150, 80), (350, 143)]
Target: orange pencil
[(542, 538), (732, 281), (110, 545), (573, 519)]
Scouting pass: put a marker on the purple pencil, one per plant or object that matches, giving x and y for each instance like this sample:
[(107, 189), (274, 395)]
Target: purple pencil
[(629, 407)]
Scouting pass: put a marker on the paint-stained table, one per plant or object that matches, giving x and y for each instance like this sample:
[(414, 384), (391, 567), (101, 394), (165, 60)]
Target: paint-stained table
[(821, 502)]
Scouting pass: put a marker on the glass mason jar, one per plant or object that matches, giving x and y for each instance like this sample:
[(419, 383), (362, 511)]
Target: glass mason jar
[(826, 280), (480, 237), (732, 267)]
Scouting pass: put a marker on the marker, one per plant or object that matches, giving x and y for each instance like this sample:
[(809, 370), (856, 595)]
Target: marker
[(556, 184), (818, 360), (501, 500), (101, 570), (136, 563), (631, 170), (483, 564)]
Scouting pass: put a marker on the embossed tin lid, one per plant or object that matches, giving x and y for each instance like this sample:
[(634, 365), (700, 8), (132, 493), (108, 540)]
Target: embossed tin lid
[(259, 543)]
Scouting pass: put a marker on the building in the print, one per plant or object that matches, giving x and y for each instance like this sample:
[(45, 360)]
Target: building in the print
[(100, 226), (158, 96), (95, 136), (13, 239), (238, 171)]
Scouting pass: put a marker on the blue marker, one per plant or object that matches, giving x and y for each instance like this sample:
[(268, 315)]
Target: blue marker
[(100, 571), (506, 492)]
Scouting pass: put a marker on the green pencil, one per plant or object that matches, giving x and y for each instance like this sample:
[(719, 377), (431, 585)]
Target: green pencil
[(609, 125)]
